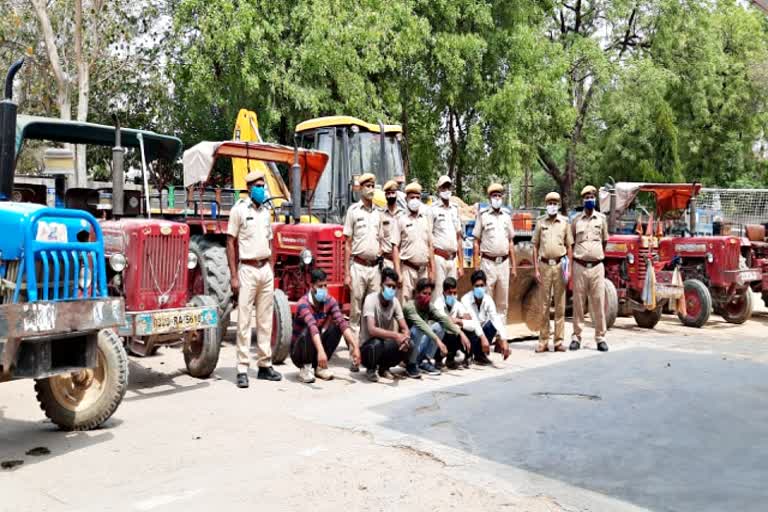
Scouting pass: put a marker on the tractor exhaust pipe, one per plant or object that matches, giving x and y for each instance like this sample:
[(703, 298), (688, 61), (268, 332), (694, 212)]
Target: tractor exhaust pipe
[(296, 184), (118, 172), (8, 111)]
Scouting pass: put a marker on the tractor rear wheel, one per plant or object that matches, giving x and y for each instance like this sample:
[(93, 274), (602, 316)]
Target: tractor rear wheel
[(739, 309), (648, 318), (201, 347), (85, 399), (532, 309), (282, 327), (698, 303), (211, 276)]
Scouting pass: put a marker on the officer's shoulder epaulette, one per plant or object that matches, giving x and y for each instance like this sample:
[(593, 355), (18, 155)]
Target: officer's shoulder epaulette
[(483, 210), (541, 218)]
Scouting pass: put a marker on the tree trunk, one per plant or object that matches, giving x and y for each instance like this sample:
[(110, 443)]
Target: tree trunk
[(454, 154), (63, 101), (83, 92)]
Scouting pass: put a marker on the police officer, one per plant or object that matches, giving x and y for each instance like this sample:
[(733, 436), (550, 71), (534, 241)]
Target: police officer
[(552, 240), (361, 234), (446, 236), (415, 250), (390, 235), (590, 234), (495, 248), (252, 280)]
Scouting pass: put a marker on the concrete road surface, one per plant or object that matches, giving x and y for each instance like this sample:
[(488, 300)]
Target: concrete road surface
[(672, 419)]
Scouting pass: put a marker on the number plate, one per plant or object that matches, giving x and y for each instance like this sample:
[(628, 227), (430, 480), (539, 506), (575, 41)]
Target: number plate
[(175, 320), (747, 276)]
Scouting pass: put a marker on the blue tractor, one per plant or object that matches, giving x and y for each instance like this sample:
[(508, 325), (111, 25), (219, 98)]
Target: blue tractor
[(57, 322)]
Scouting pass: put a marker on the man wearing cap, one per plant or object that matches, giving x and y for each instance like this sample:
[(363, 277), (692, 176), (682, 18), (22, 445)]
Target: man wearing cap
[(361, 234), (446, 236), (552, 240), (252, 280), (390, 236), (590, 235), (415, 249), (495, 248)]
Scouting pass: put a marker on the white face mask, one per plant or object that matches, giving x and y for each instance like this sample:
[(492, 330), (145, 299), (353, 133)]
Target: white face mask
[(445, 194), (496, 203), (552, 209), (414, 205)]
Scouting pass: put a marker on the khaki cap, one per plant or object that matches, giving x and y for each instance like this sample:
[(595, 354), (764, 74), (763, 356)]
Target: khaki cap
[(495, 187), (391, 185), (253, 176), (442, 180), (413, 188), (552, 196), (587, 190), (365, 178)]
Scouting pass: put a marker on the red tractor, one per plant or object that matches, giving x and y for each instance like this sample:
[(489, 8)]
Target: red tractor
[(148, 260)]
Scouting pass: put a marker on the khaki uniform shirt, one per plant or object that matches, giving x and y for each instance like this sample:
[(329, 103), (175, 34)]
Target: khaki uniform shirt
[(552, 237), (390, 234), (386, 318), (253, 229), (494, 229), (363, 226), (415, 237), (589, 233), (445, 226)]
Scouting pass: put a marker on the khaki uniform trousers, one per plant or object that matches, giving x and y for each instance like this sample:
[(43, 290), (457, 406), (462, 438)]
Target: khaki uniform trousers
[(257, 286), (410, 277), (443, 268), (497, 284), (365, 280), (589, 284), (551, 288)]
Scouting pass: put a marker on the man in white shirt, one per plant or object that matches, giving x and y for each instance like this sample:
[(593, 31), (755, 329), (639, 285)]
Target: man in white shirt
[(482, 309), (449, 304)]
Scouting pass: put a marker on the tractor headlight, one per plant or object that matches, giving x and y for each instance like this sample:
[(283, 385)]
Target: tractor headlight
[(710, 257), (118, 262), (306, 256), (191, 260), (631, 258)]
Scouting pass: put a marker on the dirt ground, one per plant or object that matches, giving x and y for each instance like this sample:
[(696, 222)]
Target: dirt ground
[(461, 441)]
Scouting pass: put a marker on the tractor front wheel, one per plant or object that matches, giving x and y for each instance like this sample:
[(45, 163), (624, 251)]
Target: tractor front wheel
[(85, 399), (648, 318), (282, 327), (201, 347), (739, 309), (698, 303), (610, 305)]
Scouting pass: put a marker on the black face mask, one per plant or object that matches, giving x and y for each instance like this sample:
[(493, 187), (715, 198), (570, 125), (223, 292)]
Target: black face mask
[(391, 200)]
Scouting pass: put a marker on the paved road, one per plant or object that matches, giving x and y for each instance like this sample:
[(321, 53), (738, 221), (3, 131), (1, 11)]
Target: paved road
[(672, 419)]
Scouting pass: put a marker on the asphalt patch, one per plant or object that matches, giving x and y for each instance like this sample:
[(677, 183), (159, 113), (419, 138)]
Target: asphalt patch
[(11, 464), (39, 451)]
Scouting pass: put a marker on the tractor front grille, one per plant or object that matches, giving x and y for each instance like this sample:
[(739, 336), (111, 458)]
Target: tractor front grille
[(164, 261), (329, 258)]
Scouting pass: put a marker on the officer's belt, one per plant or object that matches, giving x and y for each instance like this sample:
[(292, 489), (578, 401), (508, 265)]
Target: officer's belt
[(413, 265), (587, 264), (445, 254), (550, 261), (387, 256), (362, 261), (255, 263), (496, 259)]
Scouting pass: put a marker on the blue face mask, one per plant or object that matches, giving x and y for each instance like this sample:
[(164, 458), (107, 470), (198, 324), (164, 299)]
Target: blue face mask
[(450, 300), (258, 194), (589, 204), (388, 293), (479, 292), (321, 295)]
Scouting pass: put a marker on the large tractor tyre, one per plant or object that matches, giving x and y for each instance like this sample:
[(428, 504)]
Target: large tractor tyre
[(282, 328), (610, 305), (202, 347), (698, 303), (739, 309), (648, 318), (532, 309), (85, 399), (765, 299), (213, 269)]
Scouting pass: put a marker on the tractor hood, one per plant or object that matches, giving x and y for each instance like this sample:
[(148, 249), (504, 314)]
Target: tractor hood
[(15, 219), (669, 196)]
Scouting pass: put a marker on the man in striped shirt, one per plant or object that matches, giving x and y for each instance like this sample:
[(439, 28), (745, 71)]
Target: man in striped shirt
[(318, 326)]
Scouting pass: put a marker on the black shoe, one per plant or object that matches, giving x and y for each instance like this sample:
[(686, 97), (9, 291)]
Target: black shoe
[(413, 371), (372, 375), (269, 373), (451, 363), (467, 361), (602, 346), (483, 360), (428, 368), (242, 380), (575, 345), (439, 363), (354, 368)]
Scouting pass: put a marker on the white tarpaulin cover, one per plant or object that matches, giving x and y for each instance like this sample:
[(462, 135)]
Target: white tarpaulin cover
[(626, 192), (198, 161)]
